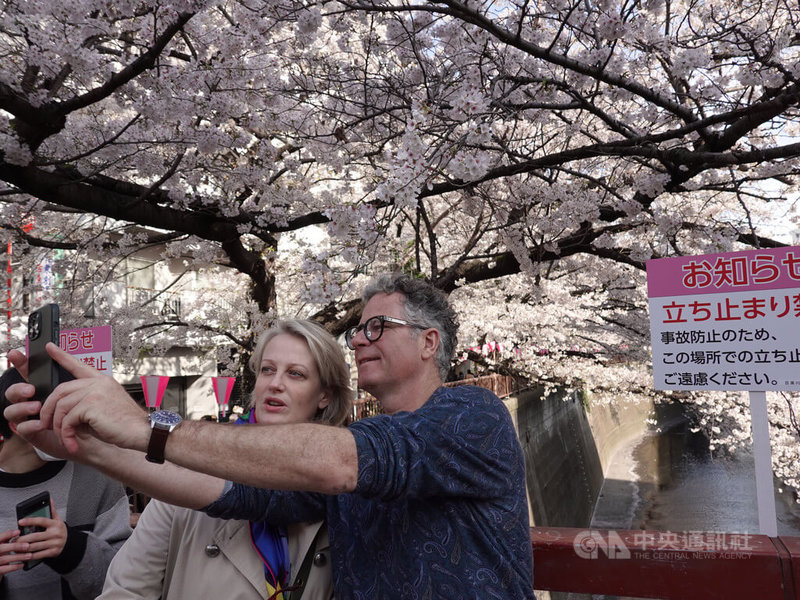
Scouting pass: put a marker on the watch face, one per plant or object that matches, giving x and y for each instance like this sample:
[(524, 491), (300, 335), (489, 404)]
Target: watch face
[(165, 417)]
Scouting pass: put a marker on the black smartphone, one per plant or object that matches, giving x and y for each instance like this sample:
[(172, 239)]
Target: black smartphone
[(43, 371), (37, 506)]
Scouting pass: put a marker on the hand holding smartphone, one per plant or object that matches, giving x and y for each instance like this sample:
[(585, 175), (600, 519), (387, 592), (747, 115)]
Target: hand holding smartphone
[(37, 506)]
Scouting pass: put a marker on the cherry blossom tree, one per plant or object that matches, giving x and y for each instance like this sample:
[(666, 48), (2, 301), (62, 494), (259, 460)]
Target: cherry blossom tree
[(527, 157)]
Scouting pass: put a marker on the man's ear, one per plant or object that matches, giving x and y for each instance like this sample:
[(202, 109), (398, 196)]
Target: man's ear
[(430, 343)]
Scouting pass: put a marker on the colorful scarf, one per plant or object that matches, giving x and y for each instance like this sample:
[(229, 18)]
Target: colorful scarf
[(271, 544)]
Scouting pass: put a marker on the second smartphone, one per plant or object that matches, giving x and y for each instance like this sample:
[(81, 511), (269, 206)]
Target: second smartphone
[(37, 506)]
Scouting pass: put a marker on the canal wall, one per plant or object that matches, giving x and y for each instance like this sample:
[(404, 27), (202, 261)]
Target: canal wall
[(568, 444)]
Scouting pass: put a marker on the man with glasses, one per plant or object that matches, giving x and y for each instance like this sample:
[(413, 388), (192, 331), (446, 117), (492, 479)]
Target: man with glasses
[(426, 501)]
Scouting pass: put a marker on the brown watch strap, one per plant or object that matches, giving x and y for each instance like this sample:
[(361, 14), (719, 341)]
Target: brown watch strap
[(158, 441)]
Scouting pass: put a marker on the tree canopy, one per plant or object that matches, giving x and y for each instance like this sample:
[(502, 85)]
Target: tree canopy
[(527, 157)]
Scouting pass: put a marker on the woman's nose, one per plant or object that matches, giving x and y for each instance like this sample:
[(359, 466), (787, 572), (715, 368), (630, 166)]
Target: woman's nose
[(276, 381)]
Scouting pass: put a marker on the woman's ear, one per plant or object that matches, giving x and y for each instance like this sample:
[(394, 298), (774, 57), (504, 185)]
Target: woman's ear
[(324, 400)]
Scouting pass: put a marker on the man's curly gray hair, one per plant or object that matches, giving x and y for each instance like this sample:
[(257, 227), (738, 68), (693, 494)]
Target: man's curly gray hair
[(424, 305)]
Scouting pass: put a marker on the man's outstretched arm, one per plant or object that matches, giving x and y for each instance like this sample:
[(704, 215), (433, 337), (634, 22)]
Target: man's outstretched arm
[(167, 482), (304, 457)]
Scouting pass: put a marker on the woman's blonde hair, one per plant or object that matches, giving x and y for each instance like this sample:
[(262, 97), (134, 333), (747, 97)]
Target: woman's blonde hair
[(334, 374)]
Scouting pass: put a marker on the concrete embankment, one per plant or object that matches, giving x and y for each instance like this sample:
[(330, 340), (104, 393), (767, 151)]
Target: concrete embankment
[(568, 448)]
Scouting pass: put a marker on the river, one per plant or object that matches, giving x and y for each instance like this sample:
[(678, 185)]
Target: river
[(670, 482)]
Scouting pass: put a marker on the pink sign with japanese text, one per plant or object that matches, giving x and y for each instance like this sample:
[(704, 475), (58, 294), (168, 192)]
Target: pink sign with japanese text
[(726, 321), (90, 344)]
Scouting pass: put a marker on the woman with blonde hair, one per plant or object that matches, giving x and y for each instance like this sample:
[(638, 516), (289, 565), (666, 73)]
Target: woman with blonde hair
[(181, 554)]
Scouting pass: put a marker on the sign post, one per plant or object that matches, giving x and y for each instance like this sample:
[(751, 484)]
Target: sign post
[(729, 322), (762, 454)]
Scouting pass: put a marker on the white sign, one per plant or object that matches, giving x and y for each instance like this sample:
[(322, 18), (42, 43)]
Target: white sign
[(726, 321), (730, 322)]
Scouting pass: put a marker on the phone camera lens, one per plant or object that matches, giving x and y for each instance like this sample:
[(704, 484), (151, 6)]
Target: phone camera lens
[(33, 327)]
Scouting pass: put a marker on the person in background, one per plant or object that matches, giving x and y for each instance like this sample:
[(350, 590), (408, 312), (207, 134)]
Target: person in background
[(427, 501), (90, 520), (181, 554)]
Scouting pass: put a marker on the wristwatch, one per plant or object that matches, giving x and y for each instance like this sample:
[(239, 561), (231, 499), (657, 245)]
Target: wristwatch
[(162, 422)]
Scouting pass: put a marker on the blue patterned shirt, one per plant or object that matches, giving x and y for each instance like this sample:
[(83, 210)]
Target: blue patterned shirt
[(439, 511)]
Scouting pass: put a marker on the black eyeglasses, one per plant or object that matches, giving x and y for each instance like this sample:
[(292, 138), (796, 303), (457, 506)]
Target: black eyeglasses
[(373, 329)]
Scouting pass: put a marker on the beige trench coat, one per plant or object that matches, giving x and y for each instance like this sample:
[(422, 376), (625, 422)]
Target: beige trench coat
[(181, 554)]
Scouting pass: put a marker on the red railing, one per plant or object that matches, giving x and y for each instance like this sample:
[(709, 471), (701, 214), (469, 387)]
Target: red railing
[(657, 564)]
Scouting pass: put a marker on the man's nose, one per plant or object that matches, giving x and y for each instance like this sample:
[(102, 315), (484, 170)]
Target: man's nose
[(360, 338)]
